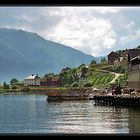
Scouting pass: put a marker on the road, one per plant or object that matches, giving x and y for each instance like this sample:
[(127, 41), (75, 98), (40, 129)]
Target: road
[(117, 75)]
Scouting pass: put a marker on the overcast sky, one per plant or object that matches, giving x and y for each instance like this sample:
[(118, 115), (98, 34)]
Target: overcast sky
[(93, 30)]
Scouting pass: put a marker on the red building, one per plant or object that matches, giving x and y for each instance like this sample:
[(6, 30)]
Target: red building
[(51, 81), (112, 57)]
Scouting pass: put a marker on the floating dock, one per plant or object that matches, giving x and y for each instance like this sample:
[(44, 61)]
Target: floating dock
[(56, 96)]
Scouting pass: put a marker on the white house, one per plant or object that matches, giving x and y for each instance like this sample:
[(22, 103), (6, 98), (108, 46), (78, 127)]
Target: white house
[(32, 80)]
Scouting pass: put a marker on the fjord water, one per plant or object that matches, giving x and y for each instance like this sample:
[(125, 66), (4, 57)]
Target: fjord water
[(33, 114)]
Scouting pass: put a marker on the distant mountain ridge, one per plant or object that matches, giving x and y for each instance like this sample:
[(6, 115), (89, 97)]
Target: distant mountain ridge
[(23, 53)]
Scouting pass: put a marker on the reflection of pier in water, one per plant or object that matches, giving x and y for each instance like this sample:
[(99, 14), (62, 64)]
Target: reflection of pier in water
[(134, 120), (132, 106)]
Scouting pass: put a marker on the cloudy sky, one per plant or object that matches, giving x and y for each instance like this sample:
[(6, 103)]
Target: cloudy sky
[(93, 30)]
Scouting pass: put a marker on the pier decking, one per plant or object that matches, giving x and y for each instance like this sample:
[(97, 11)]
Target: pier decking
[(120, 100), (132, 99)]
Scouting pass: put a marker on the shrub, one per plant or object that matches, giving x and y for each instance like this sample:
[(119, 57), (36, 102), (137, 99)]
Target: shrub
[(87, 84), (66, 85), (75, 84), (14, 87), (25, 89)]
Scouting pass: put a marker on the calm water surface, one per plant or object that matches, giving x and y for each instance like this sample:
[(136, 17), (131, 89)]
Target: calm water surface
[(33, 114)]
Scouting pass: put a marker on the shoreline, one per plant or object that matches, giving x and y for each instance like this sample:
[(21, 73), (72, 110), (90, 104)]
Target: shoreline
[(44, 91)]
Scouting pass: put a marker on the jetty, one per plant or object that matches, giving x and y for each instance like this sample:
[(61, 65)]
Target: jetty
[(100, 97), (103, 100), (116, 100)]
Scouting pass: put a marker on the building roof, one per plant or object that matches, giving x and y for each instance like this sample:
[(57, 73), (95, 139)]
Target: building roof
[(133, 53), (114, 53), (50, 79), (32, 77), (55, 79), (137, 57), (44, 79)]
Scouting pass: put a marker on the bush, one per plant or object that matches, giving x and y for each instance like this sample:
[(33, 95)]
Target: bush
[(66, 85), (25, 89), (75, 84), (6, 86), (87, 84), (14, 87)]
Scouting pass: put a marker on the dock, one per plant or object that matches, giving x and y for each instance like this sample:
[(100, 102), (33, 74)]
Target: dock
[(110, 100)]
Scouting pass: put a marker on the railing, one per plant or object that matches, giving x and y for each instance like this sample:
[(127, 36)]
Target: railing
[(133, 68)]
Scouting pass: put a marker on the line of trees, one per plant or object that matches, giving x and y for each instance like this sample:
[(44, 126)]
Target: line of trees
[(14, 83)]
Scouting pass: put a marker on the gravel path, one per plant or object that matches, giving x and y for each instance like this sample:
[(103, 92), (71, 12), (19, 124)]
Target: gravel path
[(116, 75)]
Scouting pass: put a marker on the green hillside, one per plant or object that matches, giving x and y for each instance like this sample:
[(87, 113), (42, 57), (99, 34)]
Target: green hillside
[(99, 75)]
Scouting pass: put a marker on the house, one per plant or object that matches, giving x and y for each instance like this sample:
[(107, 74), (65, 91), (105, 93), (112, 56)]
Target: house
[(112, 57), (124, 53), (56, 81), (32, 80), (134, 69), (45, 81), (132, 53), (121, 61), (51, 81), (120, 58)]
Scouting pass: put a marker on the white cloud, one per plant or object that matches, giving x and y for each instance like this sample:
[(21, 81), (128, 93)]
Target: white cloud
[(109, 42), (135, 35), (129, 26), (87, 33), (26, 17), (132, 35), (89, 29), (105, 10), (17, 26), (62, 11)]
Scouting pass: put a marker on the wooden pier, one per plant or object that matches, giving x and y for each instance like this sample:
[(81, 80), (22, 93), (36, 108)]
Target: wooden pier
[(120, 100)]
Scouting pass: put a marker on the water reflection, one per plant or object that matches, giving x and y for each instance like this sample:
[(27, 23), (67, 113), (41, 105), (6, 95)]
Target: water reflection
[(83, 117), (33, 114), (134, 120)]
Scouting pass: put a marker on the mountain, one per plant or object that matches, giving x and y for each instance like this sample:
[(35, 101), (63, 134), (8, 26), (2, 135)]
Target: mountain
[(24, 53)]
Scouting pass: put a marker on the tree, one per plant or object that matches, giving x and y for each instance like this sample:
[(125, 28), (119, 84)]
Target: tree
[(81, 66), (93, 62), (14, 87), (138, 47), (49, 75), (5, 86), (84, 72), (13, 81), (103, 60)]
